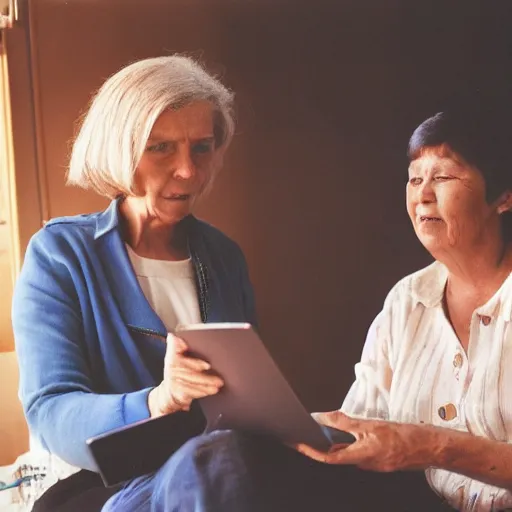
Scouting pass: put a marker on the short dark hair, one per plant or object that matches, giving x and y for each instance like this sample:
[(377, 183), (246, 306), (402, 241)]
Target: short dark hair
[(478, 128)]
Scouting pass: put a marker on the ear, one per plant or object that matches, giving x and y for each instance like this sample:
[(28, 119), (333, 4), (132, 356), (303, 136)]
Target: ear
[(504, 202)]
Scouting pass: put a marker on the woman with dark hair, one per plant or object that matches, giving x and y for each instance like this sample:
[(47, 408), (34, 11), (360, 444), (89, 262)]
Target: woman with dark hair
[(477, 130), (432, 388)]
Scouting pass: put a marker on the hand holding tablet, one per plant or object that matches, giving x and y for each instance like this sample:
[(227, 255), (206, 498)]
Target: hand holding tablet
[(256, 397)]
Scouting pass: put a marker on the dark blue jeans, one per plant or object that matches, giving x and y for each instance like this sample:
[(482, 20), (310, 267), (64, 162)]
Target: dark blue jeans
[(233, 472)]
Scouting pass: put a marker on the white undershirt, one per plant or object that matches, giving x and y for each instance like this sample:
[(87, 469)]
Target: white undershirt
[(169, 287)]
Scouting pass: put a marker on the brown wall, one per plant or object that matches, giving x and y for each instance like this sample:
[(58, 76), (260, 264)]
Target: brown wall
[(328, 93), (6, 336), (13, 429)]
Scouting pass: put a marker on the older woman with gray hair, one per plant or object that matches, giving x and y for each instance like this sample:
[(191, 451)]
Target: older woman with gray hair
[(97, 292), (432, 389)]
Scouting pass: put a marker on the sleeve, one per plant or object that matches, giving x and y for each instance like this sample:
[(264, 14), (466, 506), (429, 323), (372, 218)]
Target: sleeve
[(368, 396), (56, 385)]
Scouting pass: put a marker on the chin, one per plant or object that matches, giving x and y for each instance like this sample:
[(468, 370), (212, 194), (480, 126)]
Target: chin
[(433, 244), (173, 216)]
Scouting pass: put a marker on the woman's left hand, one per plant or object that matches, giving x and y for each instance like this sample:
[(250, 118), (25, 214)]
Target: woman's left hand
[(380, 445)]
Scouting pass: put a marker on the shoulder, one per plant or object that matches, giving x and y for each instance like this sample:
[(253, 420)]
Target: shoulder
[(63, 234), (404, 306), (425, 286), (411, 296), (54, 256), (78, 224)]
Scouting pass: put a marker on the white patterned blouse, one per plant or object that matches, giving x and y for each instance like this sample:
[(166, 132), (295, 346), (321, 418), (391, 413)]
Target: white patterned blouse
[(413, 369)]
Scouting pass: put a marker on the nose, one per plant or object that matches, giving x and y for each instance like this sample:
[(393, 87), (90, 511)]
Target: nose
[(426, 192), (184, 166)]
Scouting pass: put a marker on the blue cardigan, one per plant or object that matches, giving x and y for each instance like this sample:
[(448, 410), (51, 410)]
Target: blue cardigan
[(83, 327)]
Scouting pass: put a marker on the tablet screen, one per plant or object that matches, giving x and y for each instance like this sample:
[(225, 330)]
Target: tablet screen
[(256, 397)]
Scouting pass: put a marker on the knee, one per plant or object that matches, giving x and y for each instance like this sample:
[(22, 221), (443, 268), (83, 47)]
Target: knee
[(226, 439), (203, 449), (208, 457), (205, 470)]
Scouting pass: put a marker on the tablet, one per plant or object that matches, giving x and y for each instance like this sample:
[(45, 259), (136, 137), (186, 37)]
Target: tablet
[(255, 397), (143, 447)]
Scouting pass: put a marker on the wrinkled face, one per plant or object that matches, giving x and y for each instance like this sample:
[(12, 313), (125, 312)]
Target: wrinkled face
[(446, 201), (178, 161)]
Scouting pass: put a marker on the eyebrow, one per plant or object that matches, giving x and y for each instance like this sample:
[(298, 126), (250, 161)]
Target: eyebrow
[(437, 168), (162, 137)]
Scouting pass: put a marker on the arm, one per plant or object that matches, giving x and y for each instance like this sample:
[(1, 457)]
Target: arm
[(479, 458), (369, 394), (57, 390), (389, 446)]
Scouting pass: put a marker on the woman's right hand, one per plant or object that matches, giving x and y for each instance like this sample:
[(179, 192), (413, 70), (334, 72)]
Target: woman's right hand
[(185, 379)]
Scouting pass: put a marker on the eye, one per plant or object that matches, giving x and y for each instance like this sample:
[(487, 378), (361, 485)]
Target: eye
[(415, 181), (442, 178), (161, 147), (202, 148)]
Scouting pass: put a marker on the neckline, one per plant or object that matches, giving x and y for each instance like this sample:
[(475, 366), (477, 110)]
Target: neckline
[(155, 261)]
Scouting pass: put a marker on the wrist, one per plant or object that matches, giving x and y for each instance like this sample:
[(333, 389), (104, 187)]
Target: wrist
[(154, 409), (158, 405), (447, 445)]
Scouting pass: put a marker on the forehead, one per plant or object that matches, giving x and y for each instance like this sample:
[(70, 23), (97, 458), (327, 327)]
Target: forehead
[(431, 158), (194, 120)]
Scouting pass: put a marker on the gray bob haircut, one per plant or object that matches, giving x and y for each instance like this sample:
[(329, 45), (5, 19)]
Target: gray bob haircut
[(115, 130)]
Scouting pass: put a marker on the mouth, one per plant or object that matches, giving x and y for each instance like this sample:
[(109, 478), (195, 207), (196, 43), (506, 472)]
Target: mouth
[(428, 218), (178, 197)]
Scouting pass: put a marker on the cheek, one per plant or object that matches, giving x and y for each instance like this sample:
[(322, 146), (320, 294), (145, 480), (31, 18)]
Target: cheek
[(146, 186), (410, 202), (205, 184), (139, 185), (451, 209), (459, 207), (448, 200), (149, 175), (464, 215), (205, 171)]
